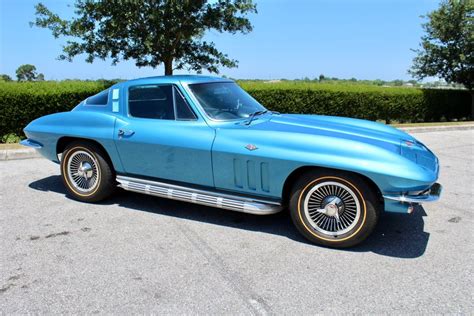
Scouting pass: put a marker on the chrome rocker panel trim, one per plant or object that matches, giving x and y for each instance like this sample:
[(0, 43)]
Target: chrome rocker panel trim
[(430, 195), (208, 198)]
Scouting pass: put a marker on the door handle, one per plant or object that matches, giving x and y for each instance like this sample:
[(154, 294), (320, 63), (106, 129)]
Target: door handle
[(125, 132)]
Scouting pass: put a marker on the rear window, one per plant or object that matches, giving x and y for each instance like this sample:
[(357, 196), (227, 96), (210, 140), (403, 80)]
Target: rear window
[(100, 98)]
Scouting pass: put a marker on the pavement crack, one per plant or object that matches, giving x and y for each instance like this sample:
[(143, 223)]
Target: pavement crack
[(13, 278), (455, 219), (64, 233), (6, 287)]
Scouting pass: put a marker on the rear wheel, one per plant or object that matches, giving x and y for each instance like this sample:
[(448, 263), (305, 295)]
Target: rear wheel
[(333, 208), (86, 173)]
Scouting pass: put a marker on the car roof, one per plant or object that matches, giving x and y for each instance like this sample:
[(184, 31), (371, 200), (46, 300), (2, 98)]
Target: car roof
[(187, 79)]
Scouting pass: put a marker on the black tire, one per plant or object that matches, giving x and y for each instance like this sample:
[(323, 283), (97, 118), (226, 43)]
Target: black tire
[(104, 184), (361, 199)]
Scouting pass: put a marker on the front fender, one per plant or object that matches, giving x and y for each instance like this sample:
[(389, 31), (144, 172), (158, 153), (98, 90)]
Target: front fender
[(285, 152)]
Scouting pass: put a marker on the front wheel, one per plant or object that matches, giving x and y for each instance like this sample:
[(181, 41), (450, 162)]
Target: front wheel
[(334, 209), (86, 173)]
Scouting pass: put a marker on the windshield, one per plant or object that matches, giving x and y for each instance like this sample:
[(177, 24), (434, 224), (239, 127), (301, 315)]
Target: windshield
[(225, 100)]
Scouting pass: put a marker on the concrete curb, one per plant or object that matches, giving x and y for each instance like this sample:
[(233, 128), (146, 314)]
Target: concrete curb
[(27, 153), (426, 129), (15, 154)]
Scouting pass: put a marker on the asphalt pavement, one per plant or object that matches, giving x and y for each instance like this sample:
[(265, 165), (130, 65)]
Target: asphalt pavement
[(141, 254)]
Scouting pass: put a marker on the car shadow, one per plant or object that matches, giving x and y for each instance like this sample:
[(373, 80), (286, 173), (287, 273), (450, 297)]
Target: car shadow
[(396, 235)]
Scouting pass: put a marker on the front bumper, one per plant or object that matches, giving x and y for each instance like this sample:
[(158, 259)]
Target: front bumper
[(431, 194), (406, 202)]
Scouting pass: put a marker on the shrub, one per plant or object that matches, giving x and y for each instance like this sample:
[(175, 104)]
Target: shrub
[(20, 103), (363, 101), (10, 138)]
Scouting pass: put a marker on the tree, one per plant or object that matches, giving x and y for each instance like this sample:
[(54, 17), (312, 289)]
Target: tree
[(4, 77), (378, 82), (151, 32), (26, 72), (447, 48), (40, 77), (397, 82)]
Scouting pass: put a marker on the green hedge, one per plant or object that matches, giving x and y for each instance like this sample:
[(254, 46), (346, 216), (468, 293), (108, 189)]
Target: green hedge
[(20, 103), (362, 101)]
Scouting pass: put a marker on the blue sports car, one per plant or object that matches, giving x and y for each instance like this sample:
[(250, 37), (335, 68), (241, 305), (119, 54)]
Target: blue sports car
[(204, 140)]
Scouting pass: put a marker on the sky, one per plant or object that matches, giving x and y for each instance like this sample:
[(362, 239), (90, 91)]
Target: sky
[(292, 39)]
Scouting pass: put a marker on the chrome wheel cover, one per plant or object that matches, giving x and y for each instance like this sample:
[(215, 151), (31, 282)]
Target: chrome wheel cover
[(83, 171), (332, 208)]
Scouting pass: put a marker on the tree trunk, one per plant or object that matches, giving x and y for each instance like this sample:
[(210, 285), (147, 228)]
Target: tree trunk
[(168, 67)]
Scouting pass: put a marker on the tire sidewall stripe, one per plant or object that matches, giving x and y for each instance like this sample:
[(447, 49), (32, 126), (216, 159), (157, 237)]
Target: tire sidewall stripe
[(310, 230), (65, 176)]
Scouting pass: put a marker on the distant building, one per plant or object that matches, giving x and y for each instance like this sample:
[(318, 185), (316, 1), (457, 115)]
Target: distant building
[(272, 81)]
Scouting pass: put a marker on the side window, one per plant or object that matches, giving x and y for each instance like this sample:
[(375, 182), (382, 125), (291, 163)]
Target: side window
[(183, 111), (151, 101), (100, 98)]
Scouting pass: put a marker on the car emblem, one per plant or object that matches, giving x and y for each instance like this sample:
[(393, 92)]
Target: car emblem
[(251, 147)]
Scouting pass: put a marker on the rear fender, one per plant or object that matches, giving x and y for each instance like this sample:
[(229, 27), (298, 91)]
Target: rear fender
[(96, 126)]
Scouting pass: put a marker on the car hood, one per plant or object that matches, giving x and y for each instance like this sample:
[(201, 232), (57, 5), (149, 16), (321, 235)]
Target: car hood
[(338, 127)]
